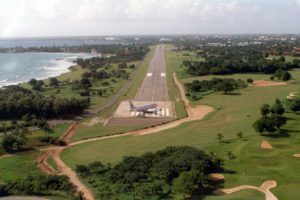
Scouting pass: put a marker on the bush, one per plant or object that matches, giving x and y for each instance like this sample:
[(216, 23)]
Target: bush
[(84, 93), (295, 105), (249, 80), (52, 140), (12, 143), (152, 175)]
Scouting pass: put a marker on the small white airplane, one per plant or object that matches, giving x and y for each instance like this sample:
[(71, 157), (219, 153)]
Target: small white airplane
[(151, 108)]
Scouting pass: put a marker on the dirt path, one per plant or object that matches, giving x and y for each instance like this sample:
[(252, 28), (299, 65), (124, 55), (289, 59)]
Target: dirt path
[(66, 137), (42, 164), (194, 113), (265, 188), (67, 171)]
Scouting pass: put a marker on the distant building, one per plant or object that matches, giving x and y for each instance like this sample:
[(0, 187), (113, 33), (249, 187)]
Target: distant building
[(165, 40)]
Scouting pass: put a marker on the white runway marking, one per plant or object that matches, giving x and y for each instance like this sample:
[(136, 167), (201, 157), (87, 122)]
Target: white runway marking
[(149, 74), (167, 112), (161, 112), (163, 74)]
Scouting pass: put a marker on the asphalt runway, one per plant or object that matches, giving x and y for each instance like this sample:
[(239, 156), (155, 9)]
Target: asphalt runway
[(154, 87)]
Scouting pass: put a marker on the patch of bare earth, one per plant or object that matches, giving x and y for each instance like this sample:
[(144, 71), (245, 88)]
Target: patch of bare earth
[(264, 83), (297, 155), (266, 145), (6, 156), (216, 177), (265, 188)]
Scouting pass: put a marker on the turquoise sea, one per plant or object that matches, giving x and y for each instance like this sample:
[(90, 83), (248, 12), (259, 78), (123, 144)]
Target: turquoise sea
[(21, 67)]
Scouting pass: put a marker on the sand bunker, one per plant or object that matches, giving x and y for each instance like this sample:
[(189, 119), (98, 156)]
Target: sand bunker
[(297, 155), (266, 145), (216, 177), (292, 95), (264, 83), (265, 188)]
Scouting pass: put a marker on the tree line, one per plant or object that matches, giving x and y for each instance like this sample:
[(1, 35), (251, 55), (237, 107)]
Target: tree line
[(130, 54), (232, 61), (16, 102), (41, 185), (181, 170), (226, 85)]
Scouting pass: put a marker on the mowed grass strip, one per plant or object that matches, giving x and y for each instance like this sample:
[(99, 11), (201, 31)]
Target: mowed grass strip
[(252, 165), (172, 88)]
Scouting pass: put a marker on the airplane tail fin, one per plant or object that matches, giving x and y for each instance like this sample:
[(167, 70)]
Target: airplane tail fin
[(132, 107)]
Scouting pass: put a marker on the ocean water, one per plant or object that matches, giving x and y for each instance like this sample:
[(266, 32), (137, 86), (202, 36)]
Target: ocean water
[(21, 67), (57, 41)]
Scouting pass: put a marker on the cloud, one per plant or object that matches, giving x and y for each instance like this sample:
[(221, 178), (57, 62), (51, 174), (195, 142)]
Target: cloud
[(152, 10), (93, 17)]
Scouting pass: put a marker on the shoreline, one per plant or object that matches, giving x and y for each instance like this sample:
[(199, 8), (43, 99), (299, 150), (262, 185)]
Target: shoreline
[(62, 66)]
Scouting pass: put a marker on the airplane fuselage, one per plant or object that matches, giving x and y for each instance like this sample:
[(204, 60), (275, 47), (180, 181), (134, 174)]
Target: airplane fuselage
[(144, 108)]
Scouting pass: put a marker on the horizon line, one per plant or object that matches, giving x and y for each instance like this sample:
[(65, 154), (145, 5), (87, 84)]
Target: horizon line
[(145, 35)]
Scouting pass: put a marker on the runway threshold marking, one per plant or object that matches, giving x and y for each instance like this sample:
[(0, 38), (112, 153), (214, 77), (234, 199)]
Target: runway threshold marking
[(163, 74), (159, 113), (167, 112), (149, 74)]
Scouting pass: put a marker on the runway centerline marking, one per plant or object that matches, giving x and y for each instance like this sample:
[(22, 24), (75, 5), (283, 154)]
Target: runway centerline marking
[(155, 80)]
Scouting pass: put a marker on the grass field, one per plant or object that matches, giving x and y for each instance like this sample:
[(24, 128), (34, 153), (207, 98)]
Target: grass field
[(252, 165), (18, 166), (97, 130)]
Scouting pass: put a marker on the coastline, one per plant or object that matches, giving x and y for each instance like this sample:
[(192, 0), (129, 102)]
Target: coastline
[(60, 67)]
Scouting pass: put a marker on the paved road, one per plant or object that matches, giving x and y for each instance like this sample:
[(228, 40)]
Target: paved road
[(154, 87)]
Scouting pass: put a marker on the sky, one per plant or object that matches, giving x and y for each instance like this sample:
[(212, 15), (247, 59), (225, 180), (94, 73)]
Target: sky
[(31, 18)]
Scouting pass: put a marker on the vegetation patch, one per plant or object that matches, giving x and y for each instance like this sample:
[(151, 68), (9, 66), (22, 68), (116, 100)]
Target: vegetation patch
[(215, 84), (158, 175)]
